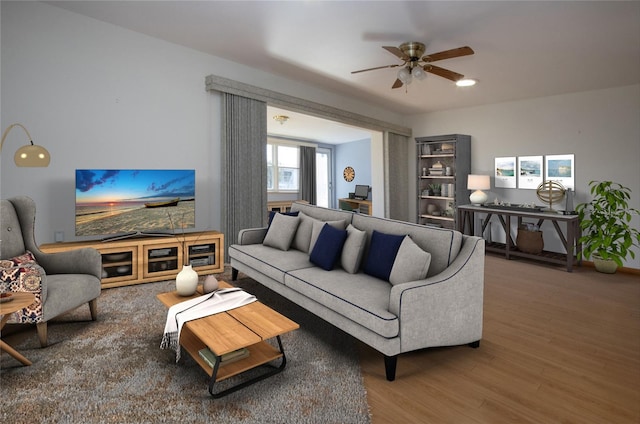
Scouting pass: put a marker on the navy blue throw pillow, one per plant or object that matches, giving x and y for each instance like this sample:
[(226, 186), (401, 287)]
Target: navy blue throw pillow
[(382, 253), (328, 247), (273, 213)]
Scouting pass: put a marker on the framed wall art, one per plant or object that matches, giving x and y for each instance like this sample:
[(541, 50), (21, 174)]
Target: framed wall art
[(560, 168), (529, 172), (505, 172)]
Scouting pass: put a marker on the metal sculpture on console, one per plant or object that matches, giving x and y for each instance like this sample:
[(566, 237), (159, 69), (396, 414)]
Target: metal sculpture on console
[(550, 192)]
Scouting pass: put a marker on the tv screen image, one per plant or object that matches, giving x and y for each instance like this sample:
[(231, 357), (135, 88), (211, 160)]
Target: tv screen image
[(115, 202)]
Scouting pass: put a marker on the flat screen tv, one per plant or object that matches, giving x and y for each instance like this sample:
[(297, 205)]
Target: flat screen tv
[(120, 203)]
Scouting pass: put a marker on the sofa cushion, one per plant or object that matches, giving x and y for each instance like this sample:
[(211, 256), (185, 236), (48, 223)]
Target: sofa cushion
[(308, 231), (269, 261), (302, 238), (322, 214), (353, 249), (328, 247), (382, 253), (317, 227), (444, 244), (281, 232), (411, 264), (273, 213), (358, 297)]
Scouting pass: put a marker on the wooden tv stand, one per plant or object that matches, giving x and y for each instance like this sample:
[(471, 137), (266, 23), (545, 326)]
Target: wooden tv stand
[(145, 259)]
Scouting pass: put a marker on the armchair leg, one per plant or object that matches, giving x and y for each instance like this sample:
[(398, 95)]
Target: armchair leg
[(93, 307), (41, 327), (234, 274)]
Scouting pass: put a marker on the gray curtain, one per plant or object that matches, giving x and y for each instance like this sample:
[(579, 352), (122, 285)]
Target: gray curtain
[(308, 174), (397, 181), (244, 166)]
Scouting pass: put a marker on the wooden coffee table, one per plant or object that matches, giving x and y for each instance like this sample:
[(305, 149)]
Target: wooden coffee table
[(248, 327), (19, 301)]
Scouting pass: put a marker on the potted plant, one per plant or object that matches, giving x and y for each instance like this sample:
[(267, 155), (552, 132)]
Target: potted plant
[(605, 223), (435, 189)]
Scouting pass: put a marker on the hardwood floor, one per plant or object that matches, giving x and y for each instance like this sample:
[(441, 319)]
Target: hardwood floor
[(557, 347)]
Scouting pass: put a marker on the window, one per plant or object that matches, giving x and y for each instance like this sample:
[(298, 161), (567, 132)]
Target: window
[(283, 167)]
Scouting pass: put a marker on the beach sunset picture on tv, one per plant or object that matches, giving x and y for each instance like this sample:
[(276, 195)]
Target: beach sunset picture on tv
[(111, 202)]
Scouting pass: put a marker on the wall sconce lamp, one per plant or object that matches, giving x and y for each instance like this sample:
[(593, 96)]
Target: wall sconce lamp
[(30, 155), (478, 183)]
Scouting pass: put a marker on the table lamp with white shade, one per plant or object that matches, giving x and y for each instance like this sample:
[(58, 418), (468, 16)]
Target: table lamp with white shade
[(478, 183)]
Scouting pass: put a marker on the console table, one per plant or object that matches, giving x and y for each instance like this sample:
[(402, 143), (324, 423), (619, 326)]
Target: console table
[(466, 220)]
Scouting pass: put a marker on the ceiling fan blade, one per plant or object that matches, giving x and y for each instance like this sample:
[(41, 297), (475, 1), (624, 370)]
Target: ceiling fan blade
[(444, 73), (373, 69), (448, 54), (397, 84), (396, 52)]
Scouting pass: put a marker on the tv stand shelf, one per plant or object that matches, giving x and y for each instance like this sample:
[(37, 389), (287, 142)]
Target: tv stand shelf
[(145, 259)]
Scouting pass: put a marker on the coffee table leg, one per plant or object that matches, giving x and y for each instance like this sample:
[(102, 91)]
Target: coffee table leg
[(273, 371), (11, 351)]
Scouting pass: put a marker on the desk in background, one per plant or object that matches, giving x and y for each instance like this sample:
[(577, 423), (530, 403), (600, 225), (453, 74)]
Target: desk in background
[(364, 206)]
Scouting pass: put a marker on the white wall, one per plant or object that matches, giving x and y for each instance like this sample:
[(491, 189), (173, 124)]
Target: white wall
[(97, 95), (601, 128)]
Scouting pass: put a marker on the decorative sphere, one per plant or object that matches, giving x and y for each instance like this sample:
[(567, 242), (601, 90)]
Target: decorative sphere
[(550, 192)]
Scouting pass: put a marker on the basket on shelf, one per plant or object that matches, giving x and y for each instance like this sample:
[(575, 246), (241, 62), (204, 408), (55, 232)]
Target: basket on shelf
[(530, 241)]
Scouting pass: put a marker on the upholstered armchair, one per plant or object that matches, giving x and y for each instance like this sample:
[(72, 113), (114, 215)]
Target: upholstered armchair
[(60, 281)]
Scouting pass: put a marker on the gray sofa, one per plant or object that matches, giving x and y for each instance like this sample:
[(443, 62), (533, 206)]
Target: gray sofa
[(443, 308)]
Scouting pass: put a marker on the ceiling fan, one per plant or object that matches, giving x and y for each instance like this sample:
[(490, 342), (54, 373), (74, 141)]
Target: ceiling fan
[(415, 65)]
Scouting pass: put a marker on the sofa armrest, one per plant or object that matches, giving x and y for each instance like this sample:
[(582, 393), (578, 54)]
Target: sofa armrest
[(86, 260), (251, 236), (445, 309)]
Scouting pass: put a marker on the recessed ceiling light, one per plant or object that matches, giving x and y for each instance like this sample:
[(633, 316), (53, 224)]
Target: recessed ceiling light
[(467, 82)]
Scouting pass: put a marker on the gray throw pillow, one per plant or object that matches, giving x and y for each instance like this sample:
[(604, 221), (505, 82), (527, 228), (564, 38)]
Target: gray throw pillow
[(411, 263), (317, 227), (302, 238), (281, 232), (353, 249)]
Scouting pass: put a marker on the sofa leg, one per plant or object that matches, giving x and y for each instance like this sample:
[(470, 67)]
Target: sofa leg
[(93, 308), (475, 344), (234, 274), (390, 363), (41, 327)]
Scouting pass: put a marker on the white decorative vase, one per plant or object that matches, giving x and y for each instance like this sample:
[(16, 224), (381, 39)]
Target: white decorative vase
[(210, 284), (186, 281)]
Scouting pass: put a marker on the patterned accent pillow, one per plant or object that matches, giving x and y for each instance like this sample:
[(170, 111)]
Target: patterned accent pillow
[(23, 274)]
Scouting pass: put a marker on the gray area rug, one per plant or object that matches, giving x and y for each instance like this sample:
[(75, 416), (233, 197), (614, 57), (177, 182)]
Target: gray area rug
[(113, 371)]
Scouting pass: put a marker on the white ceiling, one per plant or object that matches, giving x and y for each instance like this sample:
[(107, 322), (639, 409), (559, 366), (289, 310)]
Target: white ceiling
[(523, 49)]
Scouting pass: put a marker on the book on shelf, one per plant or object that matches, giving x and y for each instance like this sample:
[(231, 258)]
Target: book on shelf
[(210, 357)]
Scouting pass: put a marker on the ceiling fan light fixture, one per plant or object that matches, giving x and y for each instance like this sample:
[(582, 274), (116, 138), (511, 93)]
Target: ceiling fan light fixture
[(466, 82), (404, 75), (418, 73)]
